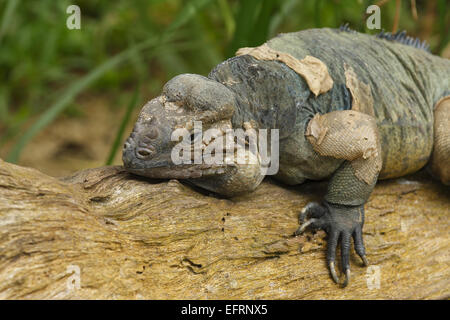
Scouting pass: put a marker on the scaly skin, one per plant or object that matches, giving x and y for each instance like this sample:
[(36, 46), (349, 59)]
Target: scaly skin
[(404, 83)]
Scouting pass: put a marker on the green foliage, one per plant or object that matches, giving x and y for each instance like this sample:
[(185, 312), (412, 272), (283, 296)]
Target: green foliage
[(44, 66)]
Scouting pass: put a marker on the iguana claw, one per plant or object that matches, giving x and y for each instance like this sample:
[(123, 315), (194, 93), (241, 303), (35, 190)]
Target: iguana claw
[(303, 227), (365, 262), (333, 272), (341, 223), (346, 279)]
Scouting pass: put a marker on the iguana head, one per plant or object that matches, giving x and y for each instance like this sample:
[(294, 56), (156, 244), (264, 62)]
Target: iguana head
[(185, 99)]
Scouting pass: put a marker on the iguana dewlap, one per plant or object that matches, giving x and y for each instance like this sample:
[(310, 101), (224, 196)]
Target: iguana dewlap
[(350, 107)]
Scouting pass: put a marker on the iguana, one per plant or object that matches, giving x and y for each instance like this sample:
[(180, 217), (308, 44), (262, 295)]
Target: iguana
[(350, 107)]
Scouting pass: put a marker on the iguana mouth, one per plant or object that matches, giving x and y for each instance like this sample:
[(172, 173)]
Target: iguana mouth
[(162, 166), (141, 156), (189, 171)]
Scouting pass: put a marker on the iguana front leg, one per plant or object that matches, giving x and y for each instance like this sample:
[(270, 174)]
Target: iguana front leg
[(352, 136)]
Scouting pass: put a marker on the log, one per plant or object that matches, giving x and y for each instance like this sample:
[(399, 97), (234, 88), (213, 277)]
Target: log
[(106, 234)]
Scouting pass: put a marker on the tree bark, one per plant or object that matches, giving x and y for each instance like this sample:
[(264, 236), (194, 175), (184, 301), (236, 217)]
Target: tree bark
[(125, 237)]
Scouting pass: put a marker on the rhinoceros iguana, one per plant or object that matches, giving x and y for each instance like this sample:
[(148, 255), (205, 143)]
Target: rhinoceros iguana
[(350, 107)]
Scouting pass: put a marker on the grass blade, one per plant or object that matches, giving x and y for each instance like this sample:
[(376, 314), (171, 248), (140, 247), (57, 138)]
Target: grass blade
[(286, 9), (123, 124), (7, 16), (228, 19), (245, 21), (261, 28), (317, 9), (187, 13)]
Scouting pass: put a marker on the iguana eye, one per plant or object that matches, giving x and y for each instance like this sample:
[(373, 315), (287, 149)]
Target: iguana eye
[(145, 153)]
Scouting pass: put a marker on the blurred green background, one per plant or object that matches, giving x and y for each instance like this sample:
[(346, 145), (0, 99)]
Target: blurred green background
[(126, 50)]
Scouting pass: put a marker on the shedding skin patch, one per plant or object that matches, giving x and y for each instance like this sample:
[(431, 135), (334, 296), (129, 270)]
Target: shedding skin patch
[(441, 150), (313, 70), (349, 135), (361, 93)]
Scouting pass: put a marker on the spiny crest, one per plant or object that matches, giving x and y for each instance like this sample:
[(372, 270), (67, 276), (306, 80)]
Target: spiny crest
[(345, 27), (399, 36), (402, 37)]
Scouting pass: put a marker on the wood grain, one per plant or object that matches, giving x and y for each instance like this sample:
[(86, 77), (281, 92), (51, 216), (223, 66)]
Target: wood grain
[(133, 238)]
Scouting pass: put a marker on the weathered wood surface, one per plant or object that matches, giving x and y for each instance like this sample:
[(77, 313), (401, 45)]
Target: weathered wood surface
[(134, 238)]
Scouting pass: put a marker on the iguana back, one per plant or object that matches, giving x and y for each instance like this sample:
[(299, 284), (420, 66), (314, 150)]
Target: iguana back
[(402, 85)]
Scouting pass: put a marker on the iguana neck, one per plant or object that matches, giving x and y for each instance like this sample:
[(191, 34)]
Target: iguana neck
[(267, 92)]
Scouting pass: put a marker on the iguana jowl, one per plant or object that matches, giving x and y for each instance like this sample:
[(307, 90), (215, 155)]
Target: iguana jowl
[(350, 107)]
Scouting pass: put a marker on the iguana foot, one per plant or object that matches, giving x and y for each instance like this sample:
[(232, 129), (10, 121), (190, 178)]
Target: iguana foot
[(340, 222)]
